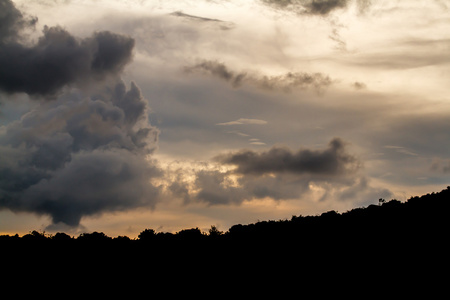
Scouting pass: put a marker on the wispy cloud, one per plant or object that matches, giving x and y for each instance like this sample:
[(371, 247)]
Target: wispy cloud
[(284, 82), (223, 25), (243, 121), (236, 132), (402, 150)]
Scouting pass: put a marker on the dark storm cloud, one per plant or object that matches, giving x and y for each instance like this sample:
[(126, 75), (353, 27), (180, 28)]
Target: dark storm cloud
[(12, 22), (86, 151), (323, 7), (285, 82), (78, 156), (332, 161), (58, 58), (315, 7), (282, 174), (92, 183)]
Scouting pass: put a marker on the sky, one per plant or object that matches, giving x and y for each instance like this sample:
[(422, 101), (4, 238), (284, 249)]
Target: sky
[(122, 115)]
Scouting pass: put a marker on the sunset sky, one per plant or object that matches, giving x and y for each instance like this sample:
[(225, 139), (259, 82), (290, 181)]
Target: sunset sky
[(122, 115)]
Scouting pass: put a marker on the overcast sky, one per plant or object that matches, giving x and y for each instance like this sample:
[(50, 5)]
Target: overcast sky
[(117, 116)]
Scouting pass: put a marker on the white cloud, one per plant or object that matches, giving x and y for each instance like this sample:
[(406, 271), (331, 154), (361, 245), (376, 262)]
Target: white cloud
[(243, 121)]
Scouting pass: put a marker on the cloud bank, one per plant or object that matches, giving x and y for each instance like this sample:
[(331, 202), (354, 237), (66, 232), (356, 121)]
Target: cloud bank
[(85, 150), (332, 161), (58, 58), (280, 174)]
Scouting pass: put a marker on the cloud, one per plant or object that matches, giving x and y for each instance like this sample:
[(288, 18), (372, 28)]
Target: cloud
[(238, 133), (258, 143), (223, 25), (323, 7), (336, 37), (86, 150), (284, 82), (313, 7), (214, 187), (58, 58), (79, 156), (92, 183), (357, 85), (316, 7), (332, 161), (12, 22), (280, 174), (404, 54), (217, 69), (243, 121), (400, 149)]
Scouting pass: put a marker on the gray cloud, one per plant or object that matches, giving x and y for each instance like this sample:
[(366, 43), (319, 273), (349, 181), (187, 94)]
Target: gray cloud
[(92, 183), (12, 22), (213, 189), (316, 7), (86, 151), (58, 58), (223, 25), (332, 161), (116, 119), (357, 85), (216, 188), (217, 69), (283, 174), (285, 82), (79, 156), (323, 7)]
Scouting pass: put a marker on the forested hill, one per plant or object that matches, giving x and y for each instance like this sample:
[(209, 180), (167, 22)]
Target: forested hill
[(418, 216), (417, 222), (392, 240)]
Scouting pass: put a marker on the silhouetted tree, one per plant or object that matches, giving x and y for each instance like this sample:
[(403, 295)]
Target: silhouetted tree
[(93, 237), (61, 237), (189, 234), (214, 232), (147, 235), (35, 236), (122, 240)]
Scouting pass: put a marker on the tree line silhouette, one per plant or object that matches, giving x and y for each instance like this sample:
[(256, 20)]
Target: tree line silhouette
[(379, 243), (418, 222)]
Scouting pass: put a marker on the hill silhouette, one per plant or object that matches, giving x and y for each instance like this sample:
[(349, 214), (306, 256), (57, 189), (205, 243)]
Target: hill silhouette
[(418, 222), (388, 242)]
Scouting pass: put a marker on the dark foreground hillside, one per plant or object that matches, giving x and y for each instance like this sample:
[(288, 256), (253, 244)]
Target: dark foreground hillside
[(393, 250), (394, 236)]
